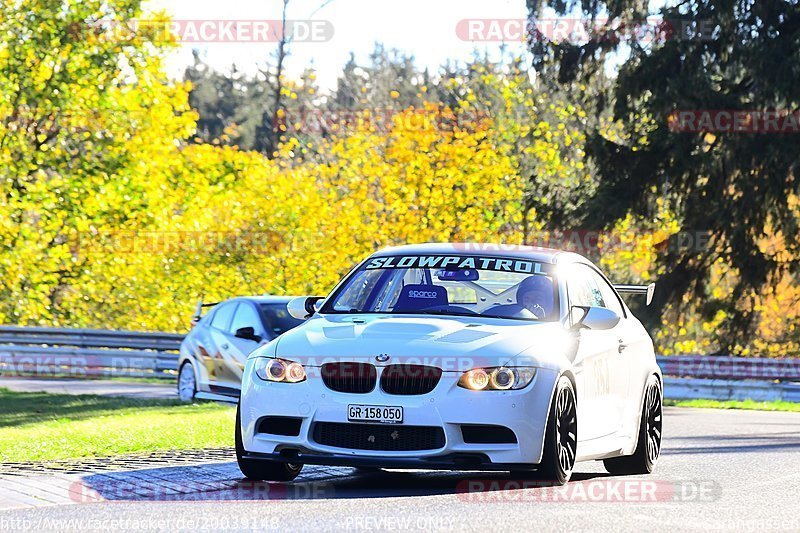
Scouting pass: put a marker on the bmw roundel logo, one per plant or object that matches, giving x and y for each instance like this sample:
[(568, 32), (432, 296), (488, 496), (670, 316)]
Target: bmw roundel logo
[(382, 358)]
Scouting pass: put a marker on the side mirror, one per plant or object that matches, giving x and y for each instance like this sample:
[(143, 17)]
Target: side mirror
[(303, 307), (248, 333), (598, 318)]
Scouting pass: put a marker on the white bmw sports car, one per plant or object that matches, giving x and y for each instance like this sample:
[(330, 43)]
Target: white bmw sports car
[(459, 357)]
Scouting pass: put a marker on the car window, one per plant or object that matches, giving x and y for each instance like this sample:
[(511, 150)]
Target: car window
[(609, 295), (246, 317), (278, 318), (583, 288), (222, 316), (588, 288), (359, 289), (458, 285), (458, 294)]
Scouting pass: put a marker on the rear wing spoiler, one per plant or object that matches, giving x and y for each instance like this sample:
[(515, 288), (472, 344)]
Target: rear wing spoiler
[(198, 311), (647, 290)]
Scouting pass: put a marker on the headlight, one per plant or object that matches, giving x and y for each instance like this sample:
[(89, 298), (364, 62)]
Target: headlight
[(476, 379), (497, 378), (279, 370)]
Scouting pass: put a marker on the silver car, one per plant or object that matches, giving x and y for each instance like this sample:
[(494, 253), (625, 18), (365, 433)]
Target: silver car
[(213, 354)]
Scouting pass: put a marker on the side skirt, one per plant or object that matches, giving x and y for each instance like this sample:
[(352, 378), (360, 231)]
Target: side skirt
[(216, 397)]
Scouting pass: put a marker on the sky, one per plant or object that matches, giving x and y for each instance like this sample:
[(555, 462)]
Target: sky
[(425, 29)]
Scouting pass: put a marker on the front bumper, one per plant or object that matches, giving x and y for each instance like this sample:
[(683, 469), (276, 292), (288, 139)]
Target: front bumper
[(447, 406), (440, 462)]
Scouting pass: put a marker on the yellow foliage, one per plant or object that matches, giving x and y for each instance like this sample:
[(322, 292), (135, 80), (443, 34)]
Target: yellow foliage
[(108, 218)]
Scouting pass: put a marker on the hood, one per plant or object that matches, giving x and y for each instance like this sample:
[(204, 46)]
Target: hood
[(451, 343)]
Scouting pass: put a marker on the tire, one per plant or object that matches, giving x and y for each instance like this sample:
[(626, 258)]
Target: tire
[(187, 382), (261, 470), (561, 438), (648, 446)]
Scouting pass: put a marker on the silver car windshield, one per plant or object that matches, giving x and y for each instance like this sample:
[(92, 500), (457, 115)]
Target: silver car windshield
[(449, 285)]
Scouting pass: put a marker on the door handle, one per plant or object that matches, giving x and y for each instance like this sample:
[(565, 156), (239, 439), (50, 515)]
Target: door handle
[(224, 346), (622, 346)]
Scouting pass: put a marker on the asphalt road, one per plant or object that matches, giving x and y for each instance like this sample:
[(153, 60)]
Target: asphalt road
[(128, 389), (719, 470)]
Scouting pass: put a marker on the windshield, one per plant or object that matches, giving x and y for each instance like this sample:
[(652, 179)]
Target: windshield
[(450, 285), (278, 318)]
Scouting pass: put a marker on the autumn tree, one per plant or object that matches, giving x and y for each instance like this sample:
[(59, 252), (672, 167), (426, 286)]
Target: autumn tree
[(737, 186), (84, 105)]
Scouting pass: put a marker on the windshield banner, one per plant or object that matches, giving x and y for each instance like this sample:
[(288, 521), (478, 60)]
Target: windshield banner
[(458, 262)]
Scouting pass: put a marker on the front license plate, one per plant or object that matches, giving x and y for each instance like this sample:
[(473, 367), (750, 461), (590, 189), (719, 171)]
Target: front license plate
[(381, 414)]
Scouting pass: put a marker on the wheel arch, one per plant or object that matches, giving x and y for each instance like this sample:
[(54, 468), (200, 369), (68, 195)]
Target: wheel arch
[(566, 372), (182, 362), (571, 377), (640, 411), (643, 394)]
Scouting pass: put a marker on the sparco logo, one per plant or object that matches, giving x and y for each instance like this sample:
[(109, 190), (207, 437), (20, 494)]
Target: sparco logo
[(422, 294)]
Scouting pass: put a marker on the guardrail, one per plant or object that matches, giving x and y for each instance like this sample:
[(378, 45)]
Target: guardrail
[(87, 352), (101, 353), (719, 377), (727, 367), (728, 389)]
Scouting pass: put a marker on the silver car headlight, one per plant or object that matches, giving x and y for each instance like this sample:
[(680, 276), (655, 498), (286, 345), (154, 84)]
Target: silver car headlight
[(279, 370), (497, 378)]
